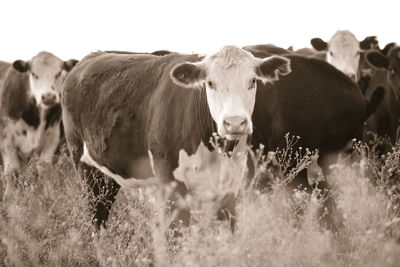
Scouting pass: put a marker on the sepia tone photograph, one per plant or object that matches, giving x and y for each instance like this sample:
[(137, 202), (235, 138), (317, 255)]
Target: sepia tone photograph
[(199, 133)]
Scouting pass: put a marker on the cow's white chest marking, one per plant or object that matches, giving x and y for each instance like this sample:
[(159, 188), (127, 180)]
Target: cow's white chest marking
[(123, 182), (24, 137)]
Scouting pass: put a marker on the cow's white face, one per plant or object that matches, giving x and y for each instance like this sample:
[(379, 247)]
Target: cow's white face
[(46, 74), (230, 78), (344, 53)]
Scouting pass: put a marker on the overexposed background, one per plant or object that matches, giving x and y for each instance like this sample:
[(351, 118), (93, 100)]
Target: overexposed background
[(74, 28)]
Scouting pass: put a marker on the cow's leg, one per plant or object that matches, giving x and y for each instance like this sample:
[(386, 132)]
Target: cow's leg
[(299, 183), (173, 191), (331, 218), (50, 143), (11, 164), (102, 191)]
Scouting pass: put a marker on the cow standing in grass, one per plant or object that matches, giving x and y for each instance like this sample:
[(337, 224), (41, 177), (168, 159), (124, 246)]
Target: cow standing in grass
[(137, 116), (30, 110), (316, 102)]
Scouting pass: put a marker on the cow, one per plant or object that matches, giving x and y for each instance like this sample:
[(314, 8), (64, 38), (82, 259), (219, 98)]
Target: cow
[(136, 117), (318, 103), (386, 120), (30, 110), (343, 51)]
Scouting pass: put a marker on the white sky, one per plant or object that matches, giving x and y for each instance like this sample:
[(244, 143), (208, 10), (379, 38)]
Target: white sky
[(74, 28)]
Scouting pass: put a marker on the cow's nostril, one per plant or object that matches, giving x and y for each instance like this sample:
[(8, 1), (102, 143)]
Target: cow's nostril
[(243, 123), (227, 123)]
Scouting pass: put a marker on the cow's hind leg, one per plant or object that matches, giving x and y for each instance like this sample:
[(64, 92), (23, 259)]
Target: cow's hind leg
[(102, 193)]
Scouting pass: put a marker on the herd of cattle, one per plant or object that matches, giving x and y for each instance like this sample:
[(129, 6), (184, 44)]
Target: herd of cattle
[(134, 117)]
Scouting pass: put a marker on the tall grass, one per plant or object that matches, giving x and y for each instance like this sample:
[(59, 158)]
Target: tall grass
[(47, 222)]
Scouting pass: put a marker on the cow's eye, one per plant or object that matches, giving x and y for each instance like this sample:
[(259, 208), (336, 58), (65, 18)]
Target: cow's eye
[(253, 83), (35, 76), (57, 75), (331, 53), (211, 85)]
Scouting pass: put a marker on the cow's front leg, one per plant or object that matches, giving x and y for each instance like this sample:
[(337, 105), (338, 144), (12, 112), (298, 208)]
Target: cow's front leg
[(11, 164), (50, 142), (173, 191)]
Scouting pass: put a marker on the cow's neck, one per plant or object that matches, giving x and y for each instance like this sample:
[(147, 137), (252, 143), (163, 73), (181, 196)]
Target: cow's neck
[(201, 116)]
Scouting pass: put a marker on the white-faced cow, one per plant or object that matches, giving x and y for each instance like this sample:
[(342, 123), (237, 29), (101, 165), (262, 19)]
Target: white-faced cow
[(135, 116), (386, 120), (316, 102), (30, 111), (343, 51)]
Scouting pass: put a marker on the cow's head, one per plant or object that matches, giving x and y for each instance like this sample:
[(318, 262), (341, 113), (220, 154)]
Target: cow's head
[(390, 62), (230, 78), (343, 51), (46, 74)]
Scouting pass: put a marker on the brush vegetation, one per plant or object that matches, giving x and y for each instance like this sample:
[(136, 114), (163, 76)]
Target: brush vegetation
[(48, 223)]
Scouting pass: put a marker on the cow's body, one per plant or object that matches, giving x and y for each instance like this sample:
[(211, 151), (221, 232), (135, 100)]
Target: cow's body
[(311, 53), (316, 102), (27, 125), (125, 116)]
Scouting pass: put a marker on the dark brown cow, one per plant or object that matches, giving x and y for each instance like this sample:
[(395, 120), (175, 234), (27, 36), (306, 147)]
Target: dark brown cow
[(137, 116), (316, 102), (30, 111), (386, 121)]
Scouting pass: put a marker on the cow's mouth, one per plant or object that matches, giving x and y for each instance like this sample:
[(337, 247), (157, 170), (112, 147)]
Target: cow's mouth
[(49, 103), (234, 136)]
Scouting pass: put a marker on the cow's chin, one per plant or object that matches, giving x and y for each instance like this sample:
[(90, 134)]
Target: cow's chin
[(233, 136), (48, 105)]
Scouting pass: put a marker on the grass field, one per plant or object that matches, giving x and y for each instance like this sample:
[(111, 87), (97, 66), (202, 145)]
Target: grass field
[(47, 223)]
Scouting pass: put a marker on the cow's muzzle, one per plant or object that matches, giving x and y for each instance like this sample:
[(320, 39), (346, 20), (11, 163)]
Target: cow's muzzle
[(49, 99), (235, 127)]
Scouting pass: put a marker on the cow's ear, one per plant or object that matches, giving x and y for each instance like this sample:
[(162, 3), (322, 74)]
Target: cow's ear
[(386, 49), (189, 75), (319, 44), (270, 68), (377, 59), (21, 66), (368, 43), (68, 65)]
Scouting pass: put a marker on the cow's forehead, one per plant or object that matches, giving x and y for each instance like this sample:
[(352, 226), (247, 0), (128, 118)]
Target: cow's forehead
[(344, 41), (45, 62), (230, 60)]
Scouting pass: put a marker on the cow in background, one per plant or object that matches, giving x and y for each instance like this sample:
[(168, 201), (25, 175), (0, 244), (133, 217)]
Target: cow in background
[(386, 120), (316, 102), (344, 52), (30, 110)]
